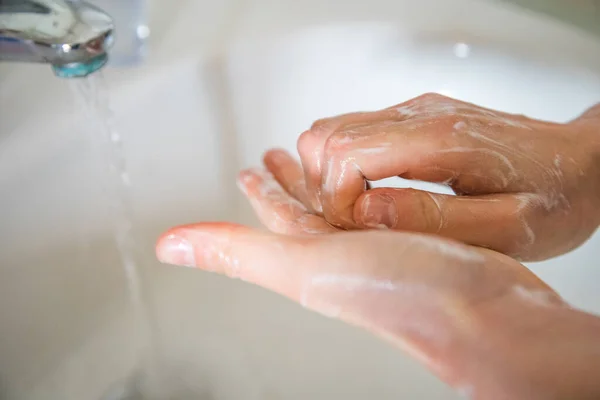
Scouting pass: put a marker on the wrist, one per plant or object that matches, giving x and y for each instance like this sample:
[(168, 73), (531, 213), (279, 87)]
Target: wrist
[(585, 132), (594, 157), (589, 124)]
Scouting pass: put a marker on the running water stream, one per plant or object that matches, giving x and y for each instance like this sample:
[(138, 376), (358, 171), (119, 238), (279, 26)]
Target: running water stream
[(150, 379)]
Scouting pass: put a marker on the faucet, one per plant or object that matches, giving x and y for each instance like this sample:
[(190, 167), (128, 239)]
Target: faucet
[(72, 36)]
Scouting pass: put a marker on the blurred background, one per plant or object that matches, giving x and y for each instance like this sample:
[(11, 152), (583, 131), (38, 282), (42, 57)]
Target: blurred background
[(198, 90)]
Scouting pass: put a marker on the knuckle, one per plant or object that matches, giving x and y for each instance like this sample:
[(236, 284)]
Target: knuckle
[(430, 97), (431, 210), (451, 122), (425, 214), (335, 143), (451, 118), (321, 122)]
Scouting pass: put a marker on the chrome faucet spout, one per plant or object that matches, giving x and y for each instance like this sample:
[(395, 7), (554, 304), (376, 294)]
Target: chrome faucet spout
[(72, 36)]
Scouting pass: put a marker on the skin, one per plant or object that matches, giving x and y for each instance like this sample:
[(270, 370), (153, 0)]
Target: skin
[(527, 188), (478, 319)]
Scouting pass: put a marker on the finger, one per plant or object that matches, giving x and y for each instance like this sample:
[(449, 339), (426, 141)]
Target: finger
[(276, 208), (311, 143), (238, 252), (288, 172), (497, 221), (426, 151), (293, 265), (424, 303)]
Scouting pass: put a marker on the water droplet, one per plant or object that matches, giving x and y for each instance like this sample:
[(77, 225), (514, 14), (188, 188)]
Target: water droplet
[(125, 179), (462, 50), (142, 31)]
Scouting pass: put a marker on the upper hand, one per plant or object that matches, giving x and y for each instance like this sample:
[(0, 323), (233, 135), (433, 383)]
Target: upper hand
[(527, 188)]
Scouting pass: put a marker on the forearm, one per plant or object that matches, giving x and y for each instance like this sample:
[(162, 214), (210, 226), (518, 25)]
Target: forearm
[(540, 349), (562, 357)]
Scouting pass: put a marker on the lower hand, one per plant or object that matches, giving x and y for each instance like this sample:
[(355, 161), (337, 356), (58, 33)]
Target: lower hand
[(479, 320)]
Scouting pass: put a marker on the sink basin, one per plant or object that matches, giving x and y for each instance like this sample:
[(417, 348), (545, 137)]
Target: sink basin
[(258, 73)]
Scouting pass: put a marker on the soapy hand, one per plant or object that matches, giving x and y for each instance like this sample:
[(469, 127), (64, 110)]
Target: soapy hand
[(527, 188), (478, 319)]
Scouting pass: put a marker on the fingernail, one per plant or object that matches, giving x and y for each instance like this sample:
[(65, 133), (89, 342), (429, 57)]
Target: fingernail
[(379, 211), (177, 251)]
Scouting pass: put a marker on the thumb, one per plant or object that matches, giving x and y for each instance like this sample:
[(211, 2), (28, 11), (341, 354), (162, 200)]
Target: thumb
[(273, 261), (496, 221), (295, 266)]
